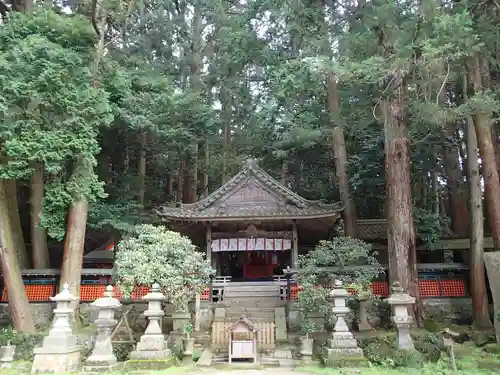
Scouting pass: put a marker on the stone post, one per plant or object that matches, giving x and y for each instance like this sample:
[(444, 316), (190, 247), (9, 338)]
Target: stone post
[(152, 343), (400, 302), (342, 348), (7, 355), (363, 321), (102, 358), (60, 352)]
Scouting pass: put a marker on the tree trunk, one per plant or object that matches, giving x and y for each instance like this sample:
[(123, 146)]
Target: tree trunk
[(22, 5), (76, 224), (206, 176), (284, 172), (483, 126), (191, 174), (40, 252), (15, 222), (457, 191), (170, 186), (480, 311), (20, 313), (180, 182), (141, 168), (227, 115), (400, 231), (74, 245), (338, 144)]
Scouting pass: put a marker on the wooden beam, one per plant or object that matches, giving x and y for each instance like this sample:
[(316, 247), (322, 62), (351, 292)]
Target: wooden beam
[(295, 246), (209, 242)]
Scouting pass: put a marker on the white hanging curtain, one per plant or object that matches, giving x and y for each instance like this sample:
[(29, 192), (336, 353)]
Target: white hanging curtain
[(251, 244)]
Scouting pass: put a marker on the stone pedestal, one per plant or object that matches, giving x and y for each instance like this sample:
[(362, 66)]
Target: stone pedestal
[(188, 346), (102, 358), (342, 348), (59, 352), (306, 349), (492, 262), (152, 343), (179, 320), (7, 355), (400, 302), (363, 321)]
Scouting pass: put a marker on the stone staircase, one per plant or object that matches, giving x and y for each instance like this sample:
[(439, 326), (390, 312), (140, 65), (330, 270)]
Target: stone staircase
[(255, 300)]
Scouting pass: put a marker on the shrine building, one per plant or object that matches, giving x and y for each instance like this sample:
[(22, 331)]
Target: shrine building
[(253, 227)]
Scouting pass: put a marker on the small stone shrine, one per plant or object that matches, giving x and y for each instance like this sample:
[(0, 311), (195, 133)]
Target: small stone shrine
[(152, 343), (242, 340), (343, 347), (400, 302), (60, 352), (102, 358)]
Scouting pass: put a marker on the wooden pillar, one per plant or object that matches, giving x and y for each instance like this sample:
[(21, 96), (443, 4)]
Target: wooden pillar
[(209, 242), (295, 246), (197, 313)]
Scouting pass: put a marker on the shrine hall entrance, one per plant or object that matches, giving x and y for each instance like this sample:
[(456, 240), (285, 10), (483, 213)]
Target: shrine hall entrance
[(253, 265), (251, 259)]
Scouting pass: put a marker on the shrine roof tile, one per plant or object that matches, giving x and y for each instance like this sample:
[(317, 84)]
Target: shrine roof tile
[(274, 202)]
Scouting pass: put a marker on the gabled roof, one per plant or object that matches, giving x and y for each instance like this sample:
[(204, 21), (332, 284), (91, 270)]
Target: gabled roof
[(245, 321), (250, 194)]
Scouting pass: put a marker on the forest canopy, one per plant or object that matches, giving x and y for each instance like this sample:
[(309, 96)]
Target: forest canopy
[(111, 108)]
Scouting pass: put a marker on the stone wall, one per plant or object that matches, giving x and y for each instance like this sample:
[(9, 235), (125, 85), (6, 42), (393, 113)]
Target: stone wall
[(457, 309), (451, 308), (42, 313)]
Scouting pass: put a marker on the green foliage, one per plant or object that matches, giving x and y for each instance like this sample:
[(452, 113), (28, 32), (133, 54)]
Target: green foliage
[(187, 329), (353, 262), (430, 345), (307, 326), (157, 255), (123, 217), (196, 355), (50, 112), (24, 343), (122, 350), (406, 358), (429, 226)]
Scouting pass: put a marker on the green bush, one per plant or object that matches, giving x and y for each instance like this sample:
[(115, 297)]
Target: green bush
[(406, 358), (122, 350), (25, 343), (430, 345), (378, 352)]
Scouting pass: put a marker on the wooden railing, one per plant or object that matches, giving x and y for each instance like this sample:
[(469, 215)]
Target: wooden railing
[(265, 335)]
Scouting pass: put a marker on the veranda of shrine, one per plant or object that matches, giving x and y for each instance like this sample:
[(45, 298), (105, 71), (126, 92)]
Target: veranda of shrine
[(253, 230)]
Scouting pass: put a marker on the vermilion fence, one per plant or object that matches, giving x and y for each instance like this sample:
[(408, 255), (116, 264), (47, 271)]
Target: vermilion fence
[(432, 288)]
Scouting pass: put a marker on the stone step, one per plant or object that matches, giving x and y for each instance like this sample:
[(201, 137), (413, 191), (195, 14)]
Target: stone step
[(271, 302), (253, 283), (254, 316), (252, 288)]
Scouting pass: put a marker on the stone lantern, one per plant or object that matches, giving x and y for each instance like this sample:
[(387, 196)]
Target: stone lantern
[(152, 343), (7, 355), (102, 357), (343, 345), (400, 302), (60, 351)]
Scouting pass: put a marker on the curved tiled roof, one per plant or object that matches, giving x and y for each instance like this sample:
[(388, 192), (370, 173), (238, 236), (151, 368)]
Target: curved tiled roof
[(283, 203)]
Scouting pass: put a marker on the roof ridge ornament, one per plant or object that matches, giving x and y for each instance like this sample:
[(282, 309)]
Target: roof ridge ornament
[(251, 162)]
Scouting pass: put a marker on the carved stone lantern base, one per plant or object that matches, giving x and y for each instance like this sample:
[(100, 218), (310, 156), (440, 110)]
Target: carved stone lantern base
[(151, 347), (347, 357), (92, 367), (56, 360)]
